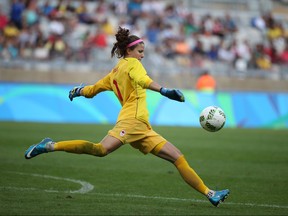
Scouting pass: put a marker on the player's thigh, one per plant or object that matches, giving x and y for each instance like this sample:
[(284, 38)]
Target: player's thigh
[(146, 139), (111, 143)]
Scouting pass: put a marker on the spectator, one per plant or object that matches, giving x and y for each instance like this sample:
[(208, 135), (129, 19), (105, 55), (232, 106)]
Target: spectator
[(242, 53), (189, 25), (161, 24), (56, 24), (153, 31), (3, 19), (119, 8), (260, 59), (168, 48), (83, 15), (26, 51), (170, 12), (207, 25), (47, 8), (74, 37), (263, 62), (147, 9), (57, 47), (100, 12), (41, 52), (271, 51), (10, 30), (24, 36), (102, 7), (134, 10), (206, 82), (81, 8), (135, 7), (10, 49), (274, 31), (17, 8), (218, 28), (225, 53), (269, 20), (258, 22), (107, 27), (181, 47), (30, 14), (199, 49), (229, 24), (64, 7), (99, 40), (212, 53), (284, 55)]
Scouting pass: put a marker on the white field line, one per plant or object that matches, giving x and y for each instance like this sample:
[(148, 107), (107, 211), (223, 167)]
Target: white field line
[(150, 197), (188, 200), (87, 187)]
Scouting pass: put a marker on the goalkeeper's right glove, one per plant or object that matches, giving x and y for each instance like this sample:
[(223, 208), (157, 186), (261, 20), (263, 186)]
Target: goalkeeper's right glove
[(173, 94), (75, 92)]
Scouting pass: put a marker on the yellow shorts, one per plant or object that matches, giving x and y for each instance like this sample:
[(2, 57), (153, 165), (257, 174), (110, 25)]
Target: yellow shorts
[(140, 135)]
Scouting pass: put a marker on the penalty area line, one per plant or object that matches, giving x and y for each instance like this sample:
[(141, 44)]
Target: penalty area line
[(186, 200)]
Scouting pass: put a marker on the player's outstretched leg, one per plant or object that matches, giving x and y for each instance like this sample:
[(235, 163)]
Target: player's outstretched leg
[(71, 146), (37, 149), (218, 196)]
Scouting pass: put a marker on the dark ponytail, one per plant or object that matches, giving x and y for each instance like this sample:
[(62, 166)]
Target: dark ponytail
[(122, 40)]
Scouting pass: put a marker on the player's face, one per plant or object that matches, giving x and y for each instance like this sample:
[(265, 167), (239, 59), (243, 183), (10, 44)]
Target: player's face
[(137, 53)]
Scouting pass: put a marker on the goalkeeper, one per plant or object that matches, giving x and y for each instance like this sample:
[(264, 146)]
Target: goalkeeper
[(129, 81)]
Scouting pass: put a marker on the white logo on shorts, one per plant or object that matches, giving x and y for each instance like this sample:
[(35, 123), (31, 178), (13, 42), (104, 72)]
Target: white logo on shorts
[(122, 133)]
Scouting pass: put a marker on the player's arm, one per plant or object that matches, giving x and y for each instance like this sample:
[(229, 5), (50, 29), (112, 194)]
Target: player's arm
[(139, 74), (90, 91), (173, 94)]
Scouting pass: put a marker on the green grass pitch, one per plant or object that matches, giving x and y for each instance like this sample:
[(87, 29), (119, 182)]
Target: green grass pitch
[(252, 163)]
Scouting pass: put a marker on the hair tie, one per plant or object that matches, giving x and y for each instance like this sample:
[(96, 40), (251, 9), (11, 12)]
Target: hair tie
[(135, 42)]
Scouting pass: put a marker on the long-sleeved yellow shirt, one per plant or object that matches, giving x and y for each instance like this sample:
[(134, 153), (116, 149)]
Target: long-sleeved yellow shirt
[(129, 81)]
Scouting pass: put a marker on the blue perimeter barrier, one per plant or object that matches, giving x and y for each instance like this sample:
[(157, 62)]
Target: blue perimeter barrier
[(25, 102)]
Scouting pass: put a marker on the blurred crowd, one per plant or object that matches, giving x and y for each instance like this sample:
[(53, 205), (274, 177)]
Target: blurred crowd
[(74, 29)]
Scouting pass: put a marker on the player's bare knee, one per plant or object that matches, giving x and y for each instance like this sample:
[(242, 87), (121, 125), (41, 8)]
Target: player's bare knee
[(99, 150)]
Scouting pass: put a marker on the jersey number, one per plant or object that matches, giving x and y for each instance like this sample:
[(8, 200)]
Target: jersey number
[(118, 91)]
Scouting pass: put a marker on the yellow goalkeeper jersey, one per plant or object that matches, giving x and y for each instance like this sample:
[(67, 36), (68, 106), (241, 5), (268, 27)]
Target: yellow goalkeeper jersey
[(129, 81)]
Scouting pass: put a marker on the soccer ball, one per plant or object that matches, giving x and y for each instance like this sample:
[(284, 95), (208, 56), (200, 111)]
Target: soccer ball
[(212, 118)]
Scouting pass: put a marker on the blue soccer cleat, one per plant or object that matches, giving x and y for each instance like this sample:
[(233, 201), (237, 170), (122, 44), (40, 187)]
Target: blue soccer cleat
[(37, 149), (219, 197)]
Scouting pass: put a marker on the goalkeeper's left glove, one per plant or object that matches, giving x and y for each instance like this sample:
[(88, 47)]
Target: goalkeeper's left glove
[(173, 94), (75, 92)]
